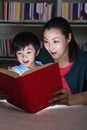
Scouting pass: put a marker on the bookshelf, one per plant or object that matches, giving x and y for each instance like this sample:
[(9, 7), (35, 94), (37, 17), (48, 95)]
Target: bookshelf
[(20, 15), (11, 26), (75, 11)]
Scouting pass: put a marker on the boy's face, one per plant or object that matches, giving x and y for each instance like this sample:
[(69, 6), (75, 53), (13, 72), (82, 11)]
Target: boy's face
[(26, 56)]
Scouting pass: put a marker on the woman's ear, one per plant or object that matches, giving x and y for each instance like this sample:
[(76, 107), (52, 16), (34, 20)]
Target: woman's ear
[(69, 38)]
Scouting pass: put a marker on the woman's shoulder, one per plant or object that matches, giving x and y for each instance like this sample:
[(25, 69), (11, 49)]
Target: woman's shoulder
[(83, 52), (82, 55)]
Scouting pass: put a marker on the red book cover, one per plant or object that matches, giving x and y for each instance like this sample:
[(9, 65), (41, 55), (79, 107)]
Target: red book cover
[(33, 89)]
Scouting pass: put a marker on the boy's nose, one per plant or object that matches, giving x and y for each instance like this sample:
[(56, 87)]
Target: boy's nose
[(23, 56)]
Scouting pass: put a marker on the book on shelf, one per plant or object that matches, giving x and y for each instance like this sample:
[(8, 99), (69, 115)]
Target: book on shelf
[(1, 10), (75, 11), (33, 89), (17, 11)]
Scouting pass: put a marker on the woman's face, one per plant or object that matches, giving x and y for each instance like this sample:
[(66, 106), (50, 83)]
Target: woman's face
[(56, 43)]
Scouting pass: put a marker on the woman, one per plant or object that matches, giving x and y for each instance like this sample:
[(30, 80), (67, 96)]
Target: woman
[(61, 45)]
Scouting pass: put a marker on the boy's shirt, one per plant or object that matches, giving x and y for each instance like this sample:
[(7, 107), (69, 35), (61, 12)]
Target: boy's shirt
[(20, 69)]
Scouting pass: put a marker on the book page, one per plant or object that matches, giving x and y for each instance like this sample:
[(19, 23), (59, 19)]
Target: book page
[(9, 73), (37, 68), (16, 75)]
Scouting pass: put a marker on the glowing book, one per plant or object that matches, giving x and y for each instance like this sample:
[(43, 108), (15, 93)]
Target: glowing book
[(33, 89)]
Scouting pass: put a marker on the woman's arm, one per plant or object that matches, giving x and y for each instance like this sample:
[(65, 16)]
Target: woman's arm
[(62, 96), (79, 99)]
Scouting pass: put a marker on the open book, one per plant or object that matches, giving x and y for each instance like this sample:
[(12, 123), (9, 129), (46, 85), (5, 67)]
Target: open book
[(33, 89)]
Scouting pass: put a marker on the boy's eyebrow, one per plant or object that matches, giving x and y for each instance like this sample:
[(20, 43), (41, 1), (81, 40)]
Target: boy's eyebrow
[(29, 48), (45, 38)]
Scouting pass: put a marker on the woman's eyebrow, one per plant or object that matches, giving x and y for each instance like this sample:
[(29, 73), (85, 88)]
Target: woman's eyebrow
[(55, 38), (51, 39)]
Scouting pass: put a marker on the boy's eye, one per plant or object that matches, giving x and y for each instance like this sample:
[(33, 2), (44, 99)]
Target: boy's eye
[(19, 53)]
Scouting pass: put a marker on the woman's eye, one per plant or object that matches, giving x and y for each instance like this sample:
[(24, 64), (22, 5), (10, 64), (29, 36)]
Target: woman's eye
[(45, 42), (56, 41), (28, 52)]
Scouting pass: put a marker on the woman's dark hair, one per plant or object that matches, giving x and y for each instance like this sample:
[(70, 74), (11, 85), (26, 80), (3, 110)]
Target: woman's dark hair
[(23, 39), (64, 26)]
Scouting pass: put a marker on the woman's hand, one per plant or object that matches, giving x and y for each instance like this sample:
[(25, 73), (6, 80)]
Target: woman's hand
[(64, 97), (3, 94), (61, 96)]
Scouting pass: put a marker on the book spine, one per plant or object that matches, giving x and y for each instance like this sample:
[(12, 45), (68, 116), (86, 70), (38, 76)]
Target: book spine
[(35, 14), (1, 10), (27, 13), (84, 14), (75, 11), (17, 11), (65, 10)]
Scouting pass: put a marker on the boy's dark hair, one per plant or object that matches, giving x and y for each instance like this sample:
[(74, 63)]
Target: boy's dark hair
[(23, 39), (64, 26)]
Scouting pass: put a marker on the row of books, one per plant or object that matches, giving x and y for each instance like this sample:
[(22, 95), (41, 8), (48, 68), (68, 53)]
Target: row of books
[(25, 11), (74, 11), (6, 47)]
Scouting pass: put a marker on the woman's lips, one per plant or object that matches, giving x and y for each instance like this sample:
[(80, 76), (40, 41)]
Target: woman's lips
[(53, 53)]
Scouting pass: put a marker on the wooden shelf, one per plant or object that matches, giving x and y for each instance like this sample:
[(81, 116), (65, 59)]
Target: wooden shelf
[(76, 23), (25, 23)]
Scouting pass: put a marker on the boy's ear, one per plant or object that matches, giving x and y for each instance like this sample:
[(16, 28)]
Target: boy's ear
[(37, 52)]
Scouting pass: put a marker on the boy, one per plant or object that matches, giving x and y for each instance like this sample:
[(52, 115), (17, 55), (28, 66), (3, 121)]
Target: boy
[(26, 47)]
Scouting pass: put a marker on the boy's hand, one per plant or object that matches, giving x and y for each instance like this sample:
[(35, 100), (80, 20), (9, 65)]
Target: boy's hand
[(9, 68)]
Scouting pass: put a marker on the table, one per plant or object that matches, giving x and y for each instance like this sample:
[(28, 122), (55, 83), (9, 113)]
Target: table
[(59, 117)]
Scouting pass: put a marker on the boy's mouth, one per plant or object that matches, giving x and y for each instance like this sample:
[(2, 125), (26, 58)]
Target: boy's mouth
[(25, 62)]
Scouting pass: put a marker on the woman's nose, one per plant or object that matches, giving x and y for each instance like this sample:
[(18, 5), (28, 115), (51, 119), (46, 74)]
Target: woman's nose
[(51, 47)]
